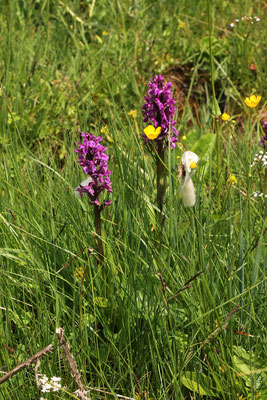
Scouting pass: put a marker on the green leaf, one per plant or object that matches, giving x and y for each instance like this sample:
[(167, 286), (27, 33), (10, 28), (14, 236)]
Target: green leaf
[(218, 217), (203, 148), (192, 380), (216, 112), (101, 301), (192, 137)]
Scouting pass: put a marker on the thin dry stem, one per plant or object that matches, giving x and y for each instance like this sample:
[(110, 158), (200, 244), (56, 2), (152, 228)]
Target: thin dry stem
[(27, 363), (72, 364), (109, 393), (38, 383)]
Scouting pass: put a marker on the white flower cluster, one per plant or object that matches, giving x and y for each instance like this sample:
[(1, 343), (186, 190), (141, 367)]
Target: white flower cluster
[(259, 194), (260, 158), (249, 20), (51, 385)]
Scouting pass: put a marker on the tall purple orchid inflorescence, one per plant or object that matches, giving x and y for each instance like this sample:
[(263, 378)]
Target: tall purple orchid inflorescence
[(93, 159), (159, 110)]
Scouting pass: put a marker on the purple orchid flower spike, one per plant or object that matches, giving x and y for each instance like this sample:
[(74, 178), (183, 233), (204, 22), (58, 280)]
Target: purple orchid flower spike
[(159, 111), (93, 159)]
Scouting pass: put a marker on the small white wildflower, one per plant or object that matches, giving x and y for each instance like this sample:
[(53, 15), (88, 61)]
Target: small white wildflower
[(257, 19), (46, 388), (244, 18), (55, 379), (261, 152), (232, 25), (43, 379), (50, 385), (237, 20), (260, 194)]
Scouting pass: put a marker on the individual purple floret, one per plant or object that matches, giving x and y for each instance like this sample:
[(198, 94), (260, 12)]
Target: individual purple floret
[(159, 110), (93, 159), (263, 140)]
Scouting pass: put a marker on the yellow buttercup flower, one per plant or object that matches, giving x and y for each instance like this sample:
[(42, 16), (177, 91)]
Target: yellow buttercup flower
[(252, 101), (133, 113), (193, 165), (225, 117), (151, 132), (232, 180), (104, 130), (184, 138), (78, 272)]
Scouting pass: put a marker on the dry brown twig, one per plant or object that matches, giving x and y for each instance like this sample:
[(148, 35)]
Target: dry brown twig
[(81, 392), (26, 363), (38, 383), (120, 396)]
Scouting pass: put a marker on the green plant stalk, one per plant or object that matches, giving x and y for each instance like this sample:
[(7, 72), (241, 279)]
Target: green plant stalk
[(265, 181), (161, 189), (250, 136), (100, 248), (161, 177), (136, 127), (214, 103)]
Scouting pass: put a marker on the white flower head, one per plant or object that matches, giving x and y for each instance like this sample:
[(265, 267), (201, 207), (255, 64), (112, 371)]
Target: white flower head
[(187, 190), (189, 161), (51, 385), (55, 379)]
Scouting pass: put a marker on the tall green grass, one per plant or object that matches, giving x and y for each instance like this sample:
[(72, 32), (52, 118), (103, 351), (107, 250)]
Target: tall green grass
[(132, 330)]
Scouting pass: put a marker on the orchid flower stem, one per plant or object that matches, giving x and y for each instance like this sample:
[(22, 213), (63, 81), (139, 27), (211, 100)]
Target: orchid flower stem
[(161, 185), (161, 176), (100, 248)]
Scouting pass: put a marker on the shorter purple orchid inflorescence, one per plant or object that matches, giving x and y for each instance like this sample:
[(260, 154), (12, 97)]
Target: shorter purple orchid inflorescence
[(159, 110), (263, 139), (93, 159)]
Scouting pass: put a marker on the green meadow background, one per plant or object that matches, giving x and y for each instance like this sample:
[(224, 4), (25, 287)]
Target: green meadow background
[(137, 326)]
